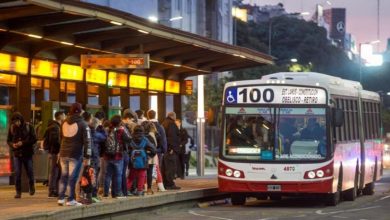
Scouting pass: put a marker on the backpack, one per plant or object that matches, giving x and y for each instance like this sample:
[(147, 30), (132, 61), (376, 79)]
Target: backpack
[(111, 145), (87, 179), (50, 138), (139, 159)]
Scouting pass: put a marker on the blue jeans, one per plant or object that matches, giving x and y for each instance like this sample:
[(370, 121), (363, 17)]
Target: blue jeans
[(126, 159), (28, 166), (114, 170), (70, 170)]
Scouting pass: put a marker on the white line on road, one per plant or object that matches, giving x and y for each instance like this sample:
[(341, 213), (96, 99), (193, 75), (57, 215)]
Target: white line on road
[(383, 198), (337, 216), (207, 216), (319, 212)]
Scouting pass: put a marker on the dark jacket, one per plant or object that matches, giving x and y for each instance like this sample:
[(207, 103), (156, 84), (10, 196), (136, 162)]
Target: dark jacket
[(173, 134), (25, 133), (99, 136), (123, 137), (52, 137), (161, 138), (76, 138), (183, 139)]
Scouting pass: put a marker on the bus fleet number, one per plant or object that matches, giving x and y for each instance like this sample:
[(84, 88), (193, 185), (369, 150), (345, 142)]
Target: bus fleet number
[(255, 95)]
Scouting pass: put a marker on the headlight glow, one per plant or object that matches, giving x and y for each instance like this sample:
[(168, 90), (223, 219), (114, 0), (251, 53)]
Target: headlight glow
[(311, 174), (229, 172), (237, 174), (320, 173)]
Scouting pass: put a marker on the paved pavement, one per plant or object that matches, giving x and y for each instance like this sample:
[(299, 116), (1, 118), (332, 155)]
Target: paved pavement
[(40, 207)]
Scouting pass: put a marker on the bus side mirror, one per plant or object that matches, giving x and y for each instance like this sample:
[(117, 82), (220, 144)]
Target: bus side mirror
[(338, 117)]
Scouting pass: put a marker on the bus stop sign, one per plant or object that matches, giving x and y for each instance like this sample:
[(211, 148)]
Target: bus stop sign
[(115, 61)]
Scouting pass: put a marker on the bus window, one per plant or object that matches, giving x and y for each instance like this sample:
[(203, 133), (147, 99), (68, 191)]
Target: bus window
[(275, 134)]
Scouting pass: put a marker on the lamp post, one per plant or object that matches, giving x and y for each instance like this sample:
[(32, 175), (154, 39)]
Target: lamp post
[(360, 56)]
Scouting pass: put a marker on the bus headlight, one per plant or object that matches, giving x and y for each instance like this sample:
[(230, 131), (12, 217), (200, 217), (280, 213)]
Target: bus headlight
[(311, 174), (320, 173), (228, 172), (237, 173)]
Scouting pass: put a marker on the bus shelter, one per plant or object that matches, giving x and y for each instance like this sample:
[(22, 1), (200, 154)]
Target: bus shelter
[(41, 42)]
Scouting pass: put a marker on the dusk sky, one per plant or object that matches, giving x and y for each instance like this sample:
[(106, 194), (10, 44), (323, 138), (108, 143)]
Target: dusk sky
[(361, 20)]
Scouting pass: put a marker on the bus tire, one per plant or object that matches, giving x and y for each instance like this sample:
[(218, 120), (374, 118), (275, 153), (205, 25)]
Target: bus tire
[(334, 198), (351, 194), (275, 197), (369, 189), (261, 196), (238, 199)]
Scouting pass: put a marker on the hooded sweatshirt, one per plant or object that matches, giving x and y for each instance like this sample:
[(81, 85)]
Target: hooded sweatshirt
[(25, 133), (76, 138)]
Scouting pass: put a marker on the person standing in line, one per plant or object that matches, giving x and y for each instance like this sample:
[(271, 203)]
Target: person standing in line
[(99, 136), (129, 119), (115, 146), (52, 143), (75, 145), (140, 116), (100, 116), (161, 137), (21, 139), (183, 136), (141, 148), (150, 134), (105, 127), (188, 142), (169, 165)]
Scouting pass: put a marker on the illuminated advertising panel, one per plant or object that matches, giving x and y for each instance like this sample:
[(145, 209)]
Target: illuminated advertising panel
[(7, 79), (71, 72), (13, 63), (96, 76), (156, 84), (137, 81), (172, 86), (117, 79), (44, 68)]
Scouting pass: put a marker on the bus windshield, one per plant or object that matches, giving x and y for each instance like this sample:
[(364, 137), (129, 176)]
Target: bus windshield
[(275, 134)]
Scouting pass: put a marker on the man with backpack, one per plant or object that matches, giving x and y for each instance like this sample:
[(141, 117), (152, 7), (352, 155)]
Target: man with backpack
[(21, 139), (115, 145), (52, 143), (141, 147)]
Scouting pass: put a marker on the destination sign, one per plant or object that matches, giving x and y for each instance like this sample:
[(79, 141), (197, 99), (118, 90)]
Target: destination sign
[(275, 95)]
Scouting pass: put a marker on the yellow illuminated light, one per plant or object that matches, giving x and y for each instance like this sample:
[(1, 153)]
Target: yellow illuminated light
[(156, 84), (6, 79), (44, 68), (241, 14), (13, 63), (117, 79), (36, 83), (137, 81), (21, 65), (172, 86), (96, 76), (71, 72)]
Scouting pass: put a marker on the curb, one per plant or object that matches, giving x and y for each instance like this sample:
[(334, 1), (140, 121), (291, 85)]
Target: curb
[(114, 207)]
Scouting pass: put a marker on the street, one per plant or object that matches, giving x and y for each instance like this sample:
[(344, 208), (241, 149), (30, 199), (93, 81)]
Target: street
[(363, 208)]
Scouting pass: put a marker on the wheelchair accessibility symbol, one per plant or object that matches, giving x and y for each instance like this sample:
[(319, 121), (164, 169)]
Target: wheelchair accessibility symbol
[(231, 95)]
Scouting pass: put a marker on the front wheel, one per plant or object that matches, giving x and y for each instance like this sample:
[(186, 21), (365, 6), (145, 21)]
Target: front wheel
[(369, 189), (238, 199), (333, 199)]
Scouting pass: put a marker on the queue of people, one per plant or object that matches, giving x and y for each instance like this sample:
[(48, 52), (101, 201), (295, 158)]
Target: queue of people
[(92, 157)]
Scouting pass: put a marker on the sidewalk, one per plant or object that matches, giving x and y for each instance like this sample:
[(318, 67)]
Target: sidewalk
[(40, 207)]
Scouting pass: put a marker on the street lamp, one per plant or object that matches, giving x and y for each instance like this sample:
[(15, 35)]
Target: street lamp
[(155, 19), (360, 56)]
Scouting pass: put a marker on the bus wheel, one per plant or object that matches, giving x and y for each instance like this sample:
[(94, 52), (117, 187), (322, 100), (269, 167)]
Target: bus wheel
[(275, 197), (351, 194), (262, 196), (238, 199), (334, 198)]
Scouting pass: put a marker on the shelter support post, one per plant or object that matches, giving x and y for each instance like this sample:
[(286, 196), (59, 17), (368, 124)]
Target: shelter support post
[(162, 106), (144, 100), (124, 96)]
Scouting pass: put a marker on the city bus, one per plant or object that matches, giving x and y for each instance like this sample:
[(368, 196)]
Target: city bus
[(299, 133)]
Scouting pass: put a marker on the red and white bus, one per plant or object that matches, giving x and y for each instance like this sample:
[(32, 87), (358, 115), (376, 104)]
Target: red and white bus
[(299, 133)]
